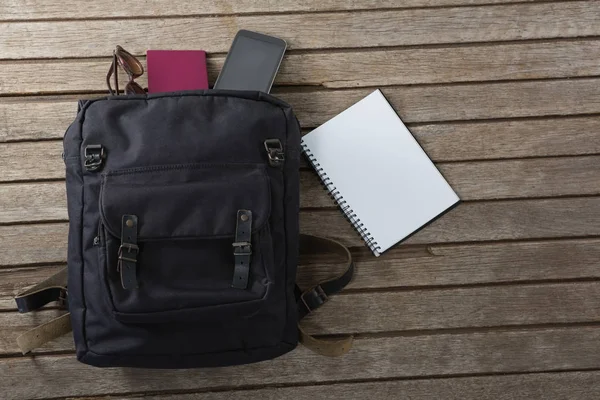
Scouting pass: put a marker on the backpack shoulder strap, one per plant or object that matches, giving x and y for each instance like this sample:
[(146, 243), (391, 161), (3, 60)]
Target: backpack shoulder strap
[(313, 298), (52, 289)]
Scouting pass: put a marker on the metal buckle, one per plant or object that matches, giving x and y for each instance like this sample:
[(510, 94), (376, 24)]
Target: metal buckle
[(130, 248), (94, 157), (275, 152), (242, 248), (62, 298), (319, 292)]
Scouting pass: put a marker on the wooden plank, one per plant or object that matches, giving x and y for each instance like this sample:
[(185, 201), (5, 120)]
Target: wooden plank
[(469, 222), (27, 119), (387, 357), (457, 308), (481, 221), (458, 102), (510, 139), (33, 202), (346, 68), (360, 313), (304, 31), (547, 177), (556, 386), (14, 280), (413, 266), (48, 117), (45, 243), (48, 162), (73, 9)]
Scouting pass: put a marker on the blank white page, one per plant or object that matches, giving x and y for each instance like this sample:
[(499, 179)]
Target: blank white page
[(378, 172)]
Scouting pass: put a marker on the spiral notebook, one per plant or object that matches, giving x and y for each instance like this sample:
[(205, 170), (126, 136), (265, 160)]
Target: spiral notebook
[(378, 174)]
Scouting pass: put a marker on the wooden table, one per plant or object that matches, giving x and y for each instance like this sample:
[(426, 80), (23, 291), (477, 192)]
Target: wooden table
[(499, 299)]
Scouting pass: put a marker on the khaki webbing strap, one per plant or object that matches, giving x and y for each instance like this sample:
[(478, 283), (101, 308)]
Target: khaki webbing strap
[(44, 333), (316, 296), (52, 289), (326, 347)]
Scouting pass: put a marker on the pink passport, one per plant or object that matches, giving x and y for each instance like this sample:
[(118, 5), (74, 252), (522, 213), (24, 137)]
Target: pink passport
[(172, 70)]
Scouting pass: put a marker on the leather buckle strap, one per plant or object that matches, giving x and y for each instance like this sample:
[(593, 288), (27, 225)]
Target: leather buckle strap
[(128, 252), (131, 248), (313, 298), (242, 249)]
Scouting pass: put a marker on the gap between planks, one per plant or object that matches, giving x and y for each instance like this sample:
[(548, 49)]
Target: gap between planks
[(577, 384), (536, 350), (307, 31), (355, 68), (100, 11)]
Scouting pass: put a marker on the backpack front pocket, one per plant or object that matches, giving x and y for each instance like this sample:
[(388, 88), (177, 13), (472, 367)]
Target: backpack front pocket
[(186, 226)]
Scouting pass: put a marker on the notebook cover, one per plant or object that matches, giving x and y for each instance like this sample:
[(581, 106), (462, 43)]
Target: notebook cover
[(172, 70), (375, 169)]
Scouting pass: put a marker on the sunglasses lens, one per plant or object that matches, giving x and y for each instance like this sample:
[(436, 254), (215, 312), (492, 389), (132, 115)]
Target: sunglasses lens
[(129, 63), (134, 88)]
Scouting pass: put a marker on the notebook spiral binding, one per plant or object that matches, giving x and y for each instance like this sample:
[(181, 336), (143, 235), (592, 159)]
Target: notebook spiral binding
[(348, 212)]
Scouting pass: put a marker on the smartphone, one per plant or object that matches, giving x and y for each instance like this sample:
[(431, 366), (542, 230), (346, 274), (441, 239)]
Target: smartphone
[(252, 62)]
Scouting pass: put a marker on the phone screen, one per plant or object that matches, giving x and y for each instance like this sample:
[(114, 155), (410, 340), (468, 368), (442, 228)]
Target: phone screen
[(251, 64)]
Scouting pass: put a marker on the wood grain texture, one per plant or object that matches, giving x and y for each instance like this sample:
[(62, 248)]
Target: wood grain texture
[(387, 357), (438, 265), (48, 117), (33, 202), (510, 139), (26, 119), (469, 222), (487, 180), (457, 308), (482, 221), (46, 243), (35, 9), (346, 68), (360, 313), (458, 102), (304, 31), (555, 386)]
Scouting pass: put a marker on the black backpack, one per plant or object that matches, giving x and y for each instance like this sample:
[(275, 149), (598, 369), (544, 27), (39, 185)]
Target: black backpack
[(183, 234)]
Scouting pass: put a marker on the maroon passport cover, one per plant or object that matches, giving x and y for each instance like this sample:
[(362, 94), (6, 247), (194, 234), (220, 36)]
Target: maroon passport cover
[(172, 70)]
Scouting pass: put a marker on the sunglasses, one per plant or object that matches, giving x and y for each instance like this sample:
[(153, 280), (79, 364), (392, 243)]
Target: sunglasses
[(132, 67)]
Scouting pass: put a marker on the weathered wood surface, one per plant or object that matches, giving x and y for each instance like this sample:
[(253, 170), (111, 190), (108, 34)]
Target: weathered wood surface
[(557, 386), (48, 117), (502, 94), (57, 39), (468, 222), (496, 351), (487, 180), (73, 9), (380, 67)]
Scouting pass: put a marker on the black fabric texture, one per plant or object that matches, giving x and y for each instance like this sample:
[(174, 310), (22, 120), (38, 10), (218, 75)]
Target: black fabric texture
[(183, 163)]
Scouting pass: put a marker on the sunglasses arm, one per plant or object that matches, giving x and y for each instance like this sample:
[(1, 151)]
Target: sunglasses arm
[(113, 70)]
